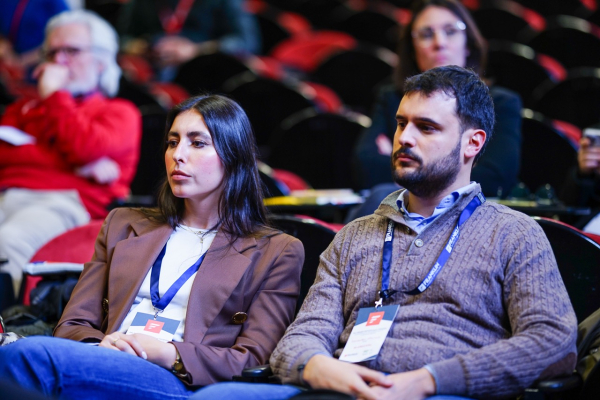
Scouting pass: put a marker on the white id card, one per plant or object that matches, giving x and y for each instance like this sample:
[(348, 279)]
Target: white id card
[(162, 328), (369, 333)]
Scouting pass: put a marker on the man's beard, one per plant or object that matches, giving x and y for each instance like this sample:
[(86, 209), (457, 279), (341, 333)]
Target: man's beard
[(429, 180), (83, 86)]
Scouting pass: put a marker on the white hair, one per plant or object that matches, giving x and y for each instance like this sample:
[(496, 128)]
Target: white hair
[(105, 43)]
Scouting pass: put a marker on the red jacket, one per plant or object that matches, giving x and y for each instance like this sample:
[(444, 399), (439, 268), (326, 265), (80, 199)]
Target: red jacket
[(70, 134)]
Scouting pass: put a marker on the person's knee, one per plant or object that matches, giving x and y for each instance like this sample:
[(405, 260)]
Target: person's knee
[(18, 356), (248, 391)]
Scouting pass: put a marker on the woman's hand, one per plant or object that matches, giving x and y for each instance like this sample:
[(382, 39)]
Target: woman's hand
[(147, 347)]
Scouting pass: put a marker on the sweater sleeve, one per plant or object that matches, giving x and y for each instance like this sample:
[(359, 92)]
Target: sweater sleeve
[(85, 134), (544, 327), (320, 321)]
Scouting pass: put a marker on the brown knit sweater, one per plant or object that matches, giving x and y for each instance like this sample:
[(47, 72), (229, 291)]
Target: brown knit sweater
[(496, 319)]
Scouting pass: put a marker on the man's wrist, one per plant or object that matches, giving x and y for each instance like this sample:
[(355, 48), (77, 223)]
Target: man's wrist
[(431, 386), (305, 371)]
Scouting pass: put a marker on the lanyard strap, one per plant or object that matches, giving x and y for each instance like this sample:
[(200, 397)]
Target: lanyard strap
[(386, 292), (16, 21), (172, 22), (160, 303)]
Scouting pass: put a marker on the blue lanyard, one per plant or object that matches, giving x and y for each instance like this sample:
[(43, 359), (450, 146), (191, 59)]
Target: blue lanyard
[(385, 293), (160, 303)]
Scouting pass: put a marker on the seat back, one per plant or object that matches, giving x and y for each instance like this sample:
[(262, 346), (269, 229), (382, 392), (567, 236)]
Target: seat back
[(151, 167), (305, 51), (266, 101), (354, 74), (572, 41), (576, 99), (505, 20), (368, 25), (315, 236), (208, 72), (578, 259), (74, 246), (272, 31), (317, 147), (517, 67), (546, 153)]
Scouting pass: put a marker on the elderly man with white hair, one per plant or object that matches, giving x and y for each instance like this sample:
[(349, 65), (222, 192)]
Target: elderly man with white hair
[(66, 154)]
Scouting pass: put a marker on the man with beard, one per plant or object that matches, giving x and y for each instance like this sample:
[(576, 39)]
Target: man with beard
[(469, 290)]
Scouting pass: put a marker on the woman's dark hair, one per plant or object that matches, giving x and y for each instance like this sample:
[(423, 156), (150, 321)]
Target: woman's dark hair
[(241, 208), (407, 66)]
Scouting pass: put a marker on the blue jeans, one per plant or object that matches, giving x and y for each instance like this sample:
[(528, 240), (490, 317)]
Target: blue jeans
[(263, 391), (73, 370)]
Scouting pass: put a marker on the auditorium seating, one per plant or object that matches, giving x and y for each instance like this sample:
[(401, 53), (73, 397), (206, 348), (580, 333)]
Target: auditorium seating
[(546, 152), (317, 147), (576, 99), (519, 68)]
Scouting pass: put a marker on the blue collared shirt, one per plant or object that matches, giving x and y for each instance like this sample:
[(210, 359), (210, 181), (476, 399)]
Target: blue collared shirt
[(418, 222)]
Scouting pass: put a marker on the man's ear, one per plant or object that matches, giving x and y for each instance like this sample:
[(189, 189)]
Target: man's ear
[(476, 140), (100, 65)]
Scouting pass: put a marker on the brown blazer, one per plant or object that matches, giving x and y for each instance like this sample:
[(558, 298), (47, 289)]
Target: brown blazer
[(260, 277)]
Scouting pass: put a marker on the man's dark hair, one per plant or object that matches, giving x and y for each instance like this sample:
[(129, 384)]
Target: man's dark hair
[(241, 208), (474, 105)]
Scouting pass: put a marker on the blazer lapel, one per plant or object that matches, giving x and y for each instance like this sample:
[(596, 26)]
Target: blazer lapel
[(131, 261), (217, 278)]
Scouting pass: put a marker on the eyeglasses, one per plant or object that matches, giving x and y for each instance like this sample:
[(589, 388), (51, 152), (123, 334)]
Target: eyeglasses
[(68, 51), (424, 36)]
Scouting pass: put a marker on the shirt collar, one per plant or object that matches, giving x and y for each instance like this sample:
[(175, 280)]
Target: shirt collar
[(419, 222)]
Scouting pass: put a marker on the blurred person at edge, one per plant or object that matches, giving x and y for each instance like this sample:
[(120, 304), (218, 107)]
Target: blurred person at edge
[(22, 24), (77, 148), (582, 183), (172, 32), (441, 32)]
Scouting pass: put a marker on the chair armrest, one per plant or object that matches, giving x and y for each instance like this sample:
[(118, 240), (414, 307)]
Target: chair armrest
[(261, 371), (560, 384), (258, 374), (556, 388)]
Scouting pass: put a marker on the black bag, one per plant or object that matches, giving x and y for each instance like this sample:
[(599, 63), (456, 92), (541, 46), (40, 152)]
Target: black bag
[(48, 300), (588, 349)]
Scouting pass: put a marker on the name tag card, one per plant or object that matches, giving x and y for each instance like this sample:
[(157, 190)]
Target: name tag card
[(160, 328), (369, 333)]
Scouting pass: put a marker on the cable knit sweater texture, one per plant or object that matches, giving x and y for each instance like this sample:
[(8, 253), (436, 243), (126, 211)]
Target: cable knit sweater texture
[(496, 319)]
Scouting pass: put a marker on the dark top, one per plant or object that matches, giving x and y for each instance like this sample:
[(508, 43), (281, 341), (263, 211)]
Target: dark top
[(497, 168), (223, 20), (581, 190)]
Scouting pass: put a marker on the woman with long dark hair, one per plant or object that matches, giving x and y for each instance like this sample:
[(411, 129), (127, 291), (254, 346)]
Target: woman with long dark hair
[(180, 296), (441, 32)]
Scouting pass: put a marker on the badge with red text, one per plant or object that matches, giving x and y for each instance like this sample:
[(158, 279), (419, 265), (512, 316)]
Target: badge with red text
[(160, 328), (369, 332)]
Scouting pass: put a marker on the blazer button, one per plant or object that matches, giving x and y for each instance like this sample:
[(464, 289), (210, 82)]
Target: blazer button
[(239, 318), (105, 305)]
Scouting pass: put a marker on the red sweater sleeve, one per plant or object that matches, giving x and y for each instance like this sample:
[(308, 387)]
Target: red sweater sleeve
[(84, 134)]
